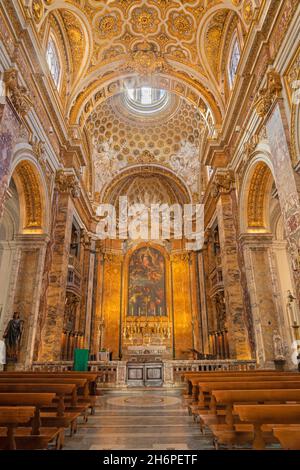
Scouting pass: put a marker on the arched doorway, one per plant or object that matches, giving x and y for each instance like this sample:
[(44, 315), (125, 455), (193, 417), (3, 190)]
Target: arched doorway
[(23, 241), (267, 264)]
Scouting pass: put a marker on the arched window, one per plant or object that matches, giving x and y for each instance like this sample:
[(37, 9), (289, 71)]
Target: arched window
[(234, 61), (53, 61), (146, 99)]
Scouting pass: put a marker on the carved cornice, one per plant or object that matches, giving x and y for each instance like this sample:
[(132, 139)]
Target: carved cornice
[(268, 96), (67, 182), (223, 182), (17, 94)]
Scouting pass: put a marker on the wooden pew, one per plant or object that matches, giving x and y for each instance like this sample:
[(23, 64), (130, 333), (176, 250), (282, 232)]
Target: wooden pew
[(266, 414), (34, 437), (60, 390), (59, 416), (288, 435), (83, 384), (205, 392), (253, 378), (190, 376), (231, 397), (11, 417), (225, 433), (91, 377), (38, 400), (206, 408)]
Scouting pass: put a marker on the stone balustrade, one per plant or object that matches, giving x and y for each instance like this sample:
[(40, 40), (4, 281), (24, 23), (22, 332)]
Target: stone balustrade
[(113, 373)]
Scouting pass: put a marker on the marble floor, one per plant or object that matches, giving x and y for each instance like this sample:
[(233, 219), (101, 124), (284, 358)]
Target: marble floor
[(139, 419)]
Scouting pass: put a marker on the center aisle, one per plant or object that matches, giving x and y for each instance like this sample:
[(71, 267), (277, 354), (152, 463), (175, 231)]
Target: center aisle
[(139, 419)]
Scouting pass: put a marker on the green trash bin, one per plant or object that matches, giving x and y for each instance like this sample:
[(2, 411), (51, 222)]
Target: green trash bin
[(81, 358)]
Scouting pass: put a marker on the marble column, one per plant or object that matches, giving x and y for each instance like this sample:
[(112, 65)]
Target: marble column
[(112, 298), (286, 184), (264, 294), (183, 321), (203, 301), (195, 307), (235, 309), (97, 321), (90, 255), (50, 347)]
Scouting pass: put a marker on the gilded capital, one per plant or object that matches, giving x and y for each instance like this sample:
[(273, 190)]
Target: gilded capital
[(223, 182), (17, 94), (267, 96), (67, 182)]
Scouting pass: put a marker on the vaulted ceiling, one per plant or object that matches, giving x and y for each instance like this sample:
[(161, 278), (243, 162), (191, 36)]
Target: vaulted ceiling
[(175, 45), (104, 40)]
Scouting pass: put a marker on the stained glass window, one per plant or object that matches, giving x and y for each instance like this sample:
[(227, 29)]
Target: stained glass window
[(53, 61)]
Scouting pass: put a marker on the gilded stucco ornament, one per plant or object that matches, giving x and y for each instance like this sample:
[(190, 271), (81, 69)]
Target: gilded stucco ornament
[(37, 9), (251, 145), (248, 11), (145, 20), (181, 26), (67, 182), (223, 182), (109, 26), (145, 60), (268, 95), (17, 94)]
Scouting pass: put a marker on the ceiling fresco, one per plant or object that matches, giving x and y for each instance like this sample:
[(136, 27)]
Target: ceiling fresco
[(178, 46)]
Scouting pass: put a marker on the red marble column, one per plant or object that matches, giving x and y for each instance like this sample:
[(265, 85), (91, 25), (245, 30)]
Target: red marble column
[(50, 347), (235, 309)]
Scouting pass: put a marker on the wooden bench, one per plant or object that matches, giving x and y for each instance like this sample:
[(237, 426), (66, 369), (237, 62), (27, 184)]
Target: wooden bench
[(195, 382), (34, 437), (11, 417), (266, 414), (231, 397), (91, 377), (38, 400), (60, 390), (191, 376), (206, 408), (227, 434), (83, 384), (288, 435), (60, 417)]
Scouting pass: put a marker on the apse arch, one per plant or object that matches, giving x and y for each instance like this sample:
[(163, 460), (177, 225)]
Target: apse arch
[(113, 189), (33, 194)]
